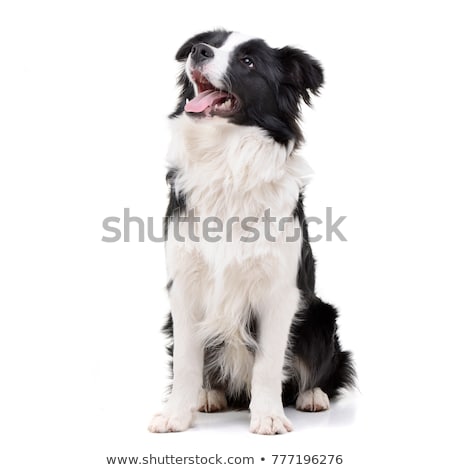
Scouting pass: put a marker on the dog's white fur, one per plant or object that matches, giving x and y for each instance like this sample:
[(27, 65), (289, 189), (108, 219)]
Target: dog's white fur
[(226, 171), (216, 69)]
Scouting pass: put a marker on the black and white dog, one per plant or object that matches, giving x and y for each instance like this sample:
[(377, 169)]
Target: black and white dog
[(247, 327)]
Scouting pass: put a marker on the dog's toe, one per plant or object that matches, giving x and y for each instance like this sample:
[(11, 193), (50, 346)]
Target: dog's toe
[(313, 400), (165, 422), (211, 401), (270, 424)]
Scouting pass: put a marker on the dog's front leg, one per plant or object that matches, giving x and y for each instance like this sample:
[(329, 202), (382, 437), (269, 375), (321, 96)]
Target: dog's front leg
[(275, 316), (179, 410)]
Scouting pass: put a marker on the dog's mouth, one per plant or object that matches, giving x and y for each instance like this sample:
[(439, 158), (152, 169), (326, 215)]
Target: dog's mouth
[(211, 101)]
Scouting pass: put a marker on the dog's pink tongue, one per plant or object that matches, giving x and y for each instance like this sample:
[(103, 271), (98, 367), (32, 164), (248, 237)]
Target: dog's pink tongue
[(204, 100)]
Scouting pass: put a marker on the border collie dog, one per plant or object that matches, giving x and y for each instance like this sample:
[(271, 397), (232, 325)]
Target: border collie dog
[(246, 327)]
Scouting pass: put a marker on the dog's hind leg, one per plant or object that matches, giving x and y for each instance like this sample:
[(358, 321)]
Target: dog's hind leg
[(319, 366), (210, 401), (313, 400)]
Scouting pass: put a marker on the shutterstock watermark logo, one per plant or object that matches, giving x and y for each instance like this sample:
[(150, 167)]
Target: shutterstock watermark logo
[(212, 229)]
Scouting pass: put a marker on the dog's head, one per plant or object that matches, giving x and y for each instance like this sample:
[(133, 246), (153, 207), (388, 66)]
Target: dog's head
[(244, 80)]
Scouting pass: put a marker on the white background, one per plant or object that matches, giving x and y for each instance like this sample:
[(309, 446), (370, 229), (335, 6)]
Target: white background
[(85, 88)]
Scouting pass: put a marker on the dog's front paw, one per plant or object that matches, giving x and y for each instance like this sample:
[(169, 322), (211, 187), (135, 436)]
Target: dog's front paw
[(270, 423), (170, 422)]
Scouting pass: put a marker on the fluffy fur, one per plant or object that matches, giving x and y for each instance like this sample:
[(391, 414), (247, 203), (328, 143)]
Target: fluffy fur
[(247, 328)]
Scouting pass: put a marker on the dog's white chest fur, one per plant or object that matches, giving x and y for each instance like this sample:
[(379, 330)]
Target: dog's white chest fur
[(229, 171)]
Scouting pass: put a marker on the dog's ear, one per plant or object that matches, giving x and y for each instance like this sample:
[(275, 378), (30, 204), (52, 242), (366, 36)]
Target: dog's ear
[(302, 72)]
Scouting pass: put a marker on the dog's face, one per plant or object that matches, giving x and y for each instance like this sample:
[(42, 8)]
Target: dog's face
[(244, 80)]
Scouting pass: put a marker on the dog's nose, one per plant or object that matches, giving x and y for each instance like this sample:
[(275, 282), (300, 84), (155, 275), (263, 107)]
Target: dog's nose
[(201, 53)]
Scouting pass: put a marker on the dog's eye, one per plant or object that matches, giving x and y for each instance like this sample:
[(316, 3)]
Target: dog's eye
[(248, 62)]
